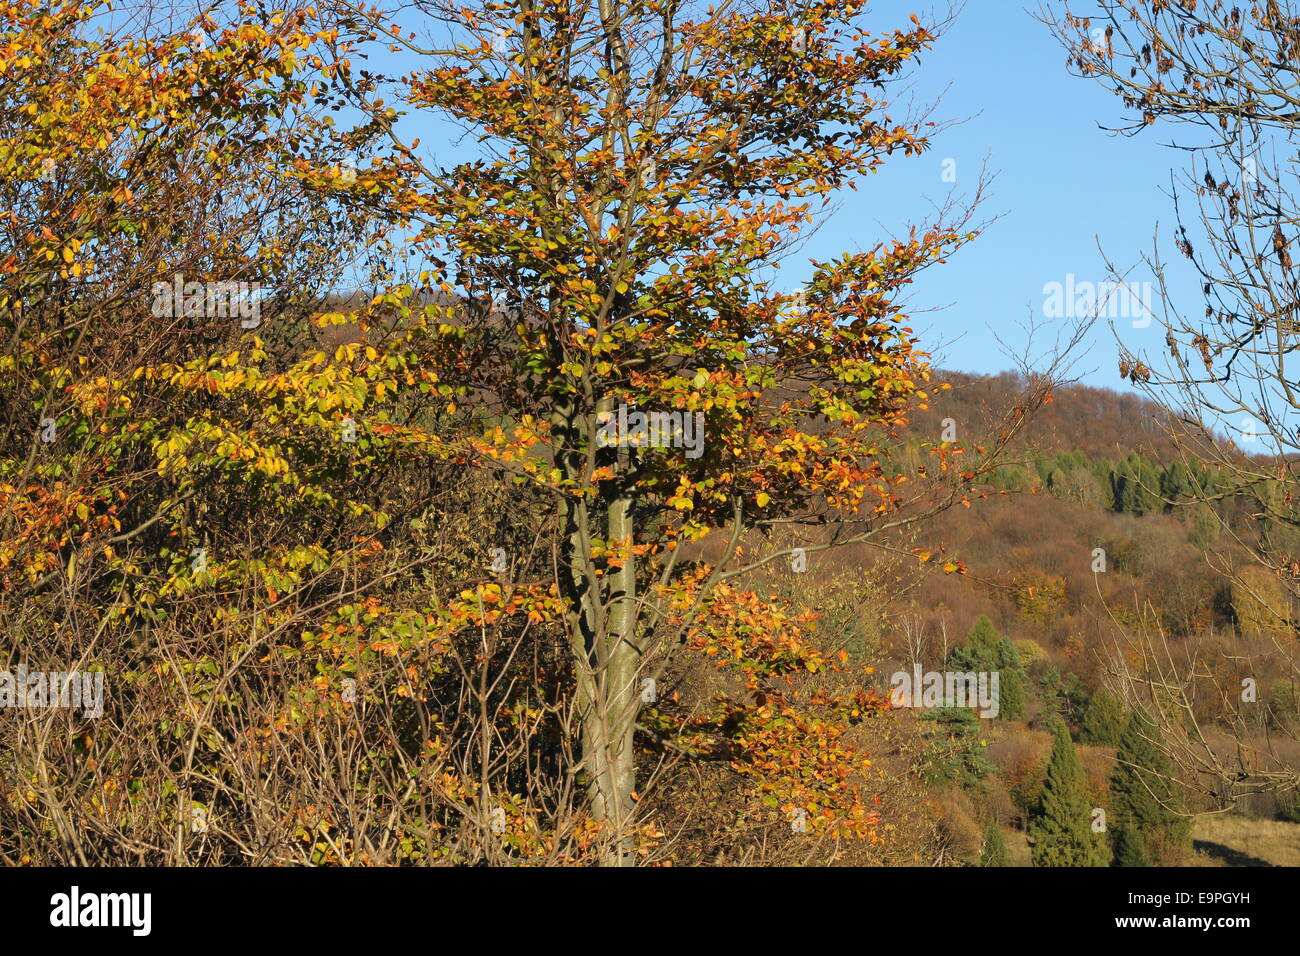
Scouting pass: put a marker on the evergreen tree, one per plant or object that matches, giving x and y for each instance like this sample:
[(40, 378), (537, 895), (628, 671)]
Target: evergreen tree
[(1104, 475), (1011, 693), (1177, 483), (1057, 483), (1136, 483), (987, 651), (955, 746), (1006, 653), (1105, 720), (1152, 501), (1145, 824), (981, 645), (1117, 482), (995, 848), (1060, 828), (1128, 848), (1063, 695)]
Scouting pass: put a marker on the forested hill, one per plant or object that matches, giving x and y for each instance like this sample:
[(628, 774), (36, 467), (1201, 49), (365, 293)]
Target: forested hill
[(1100, 422), (1097, 547)]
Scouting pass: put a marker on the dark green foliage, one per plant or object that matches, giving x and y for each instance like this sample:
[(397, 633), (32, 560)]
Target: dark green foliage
[(1128, 849), (1145, 824), (1060, 828), (1063, 695), (1105, 720), (987, 651), (1178, 483), (980, 649), (955, 746), (1136, 485), (1011, 693), (995, 848)]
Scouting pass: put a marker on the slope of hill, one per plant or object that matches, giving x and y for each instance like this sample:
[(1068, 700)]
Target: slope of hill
[(1089, 547)]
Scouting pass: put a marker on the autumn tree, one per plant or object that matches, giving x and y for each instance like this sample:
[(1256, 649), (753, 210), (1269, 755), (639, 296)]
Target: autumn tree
[(605, 249), (1261, 605), (153, 231), (457, 538)]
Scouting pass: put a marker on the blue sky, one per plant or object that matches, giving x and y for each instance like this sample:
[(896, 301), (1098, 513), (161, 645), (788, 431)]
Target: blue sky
[(1063, 185)]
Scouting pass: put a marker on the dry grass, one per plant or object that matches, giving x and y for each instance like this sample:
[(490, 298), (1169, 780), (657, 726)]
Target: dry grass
[(1219, 841), (1017, 847), (1222, 840)]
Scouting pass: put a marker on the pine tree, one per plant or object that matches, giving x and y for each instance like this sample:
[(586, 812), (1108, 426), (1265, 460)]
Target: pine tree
[(1128, 848), (1150, 499), (1060, 829), (1176, 483), (986, 650), (995, 848), (981, 643), (1011, 693), (1105, 720), (1145, 824), (1136, 483), (1011, 681)]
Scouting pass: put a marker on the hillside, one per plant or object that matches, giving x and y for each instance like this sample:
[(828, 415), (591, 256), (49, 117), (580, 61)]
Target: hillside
[(1085, 546)]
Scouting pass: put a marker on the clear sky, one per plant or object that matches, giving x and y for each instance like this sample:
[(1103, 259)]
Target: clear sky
[(1063, 185)]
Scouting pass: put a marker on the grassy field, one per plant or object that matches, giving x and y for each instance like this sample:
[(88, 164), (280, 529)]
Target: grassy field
[(1237, 841), (1218, 840)]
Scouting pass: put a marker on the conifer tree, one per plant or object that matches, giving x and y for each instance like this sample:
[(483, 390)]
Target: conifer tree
[(1060, 828), (1011, 682), (986, 650), (995, 848), (1105, 720), (981, 644), (1145, 821)]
